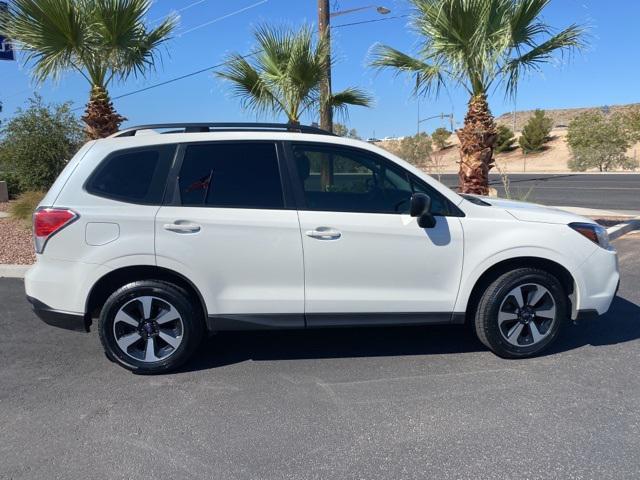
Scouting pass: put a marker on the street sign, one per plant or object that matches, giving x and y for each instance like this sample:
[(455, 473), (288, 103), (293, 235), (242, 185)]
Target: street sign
[(6, 49)]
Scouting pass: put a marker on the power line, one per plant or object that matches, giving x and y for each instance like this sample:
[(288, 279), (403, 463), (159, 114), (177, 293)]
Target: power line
[(206, 69), (210, 22), (182, 77), (371, 21)]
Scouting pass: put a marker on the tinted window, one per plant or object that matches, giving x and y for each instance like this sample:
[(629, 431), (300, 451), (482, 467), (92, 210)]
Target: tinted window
[(134, 176), (349, 180), (244, 175)]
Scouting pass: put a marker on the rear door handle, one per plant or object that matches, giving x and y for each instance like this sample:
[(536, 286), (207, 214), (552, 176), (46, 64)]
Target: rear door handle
[(324, 233), (182, 227)]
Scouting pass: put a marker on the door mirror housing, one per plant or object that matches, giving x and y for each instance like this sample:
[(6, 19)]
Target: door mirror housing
[(421, 209)]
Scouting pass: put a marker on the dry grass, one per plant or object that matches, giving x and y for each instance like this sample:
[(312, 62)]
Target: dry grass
[(24, 206)]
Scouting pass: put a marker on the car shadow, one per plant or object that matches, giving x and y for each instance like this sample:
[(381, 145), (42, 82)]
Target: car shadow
[(621, 324)]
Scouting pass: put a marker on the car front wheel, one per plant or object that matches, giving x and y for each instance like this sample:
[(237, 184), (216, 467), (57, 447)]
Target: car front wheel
[(521, 312)]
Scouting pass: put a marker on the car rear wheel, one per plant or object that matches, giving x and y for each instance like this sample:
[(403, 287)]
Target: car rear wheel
[(150, 326), (521, 312)]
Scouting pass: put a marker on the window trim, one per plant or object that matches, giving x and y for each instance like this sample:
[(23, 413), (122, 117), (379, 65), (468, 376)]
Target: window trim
[(172, 196), (299, 190), (164, 150)]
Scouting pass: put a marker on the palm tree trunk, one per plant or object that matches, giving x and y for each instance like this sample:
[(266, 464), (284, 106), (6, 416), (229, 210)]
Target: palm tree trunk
[(477, 139), (100, 117)]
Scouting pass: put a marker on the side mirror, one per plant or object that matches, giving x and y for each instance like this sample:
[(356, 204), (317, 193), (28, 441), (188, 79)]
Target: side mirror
[(421, 208)]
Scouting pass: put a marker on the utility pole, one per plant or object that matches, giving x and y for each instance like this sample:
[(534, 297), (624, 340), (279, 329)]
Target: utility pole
[(324, 30)]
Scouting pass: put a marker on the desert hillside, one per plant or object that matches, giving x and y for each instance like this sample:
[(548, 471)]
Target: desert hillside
[(561, 117), (554, 158)]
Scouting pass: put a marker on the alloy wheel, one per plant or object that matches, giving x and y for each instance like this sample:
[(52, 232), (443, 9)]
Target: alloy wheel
[(526, 315), (148, 329)]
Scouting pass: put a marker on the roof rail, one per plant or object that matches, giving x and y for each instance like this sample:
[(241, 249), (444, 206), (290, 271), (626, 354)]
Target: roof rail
[(221, 127)]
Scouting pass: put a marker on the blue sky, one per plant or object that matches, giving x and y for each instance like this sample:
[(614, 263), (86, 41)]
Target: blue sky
[(607, 73)]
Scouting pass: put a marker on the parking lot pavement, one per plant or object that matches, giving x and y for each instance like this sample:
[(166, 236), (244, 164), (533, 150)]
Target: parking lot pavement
[(369, 403)]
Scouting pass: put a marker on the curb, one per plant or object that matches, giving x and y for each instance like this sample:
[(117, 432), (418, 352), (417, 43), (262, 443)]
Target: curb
[(13, 271), (623, 228)]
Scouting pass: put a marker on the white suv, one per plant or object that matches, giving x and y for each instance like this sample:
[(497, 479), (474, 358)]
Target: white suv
[(167, 235)]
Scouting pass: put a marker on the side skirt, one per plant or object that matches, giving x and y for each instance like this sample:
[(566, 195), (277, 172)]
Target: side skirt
[(234, 322)]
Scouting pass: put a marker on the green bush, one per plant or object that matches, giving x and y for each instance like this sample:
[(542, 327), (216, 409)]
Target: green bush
[(25, 205), (599, 141), (506, 140), (13, 183), (536, 132), (440, 138), (37, 143)]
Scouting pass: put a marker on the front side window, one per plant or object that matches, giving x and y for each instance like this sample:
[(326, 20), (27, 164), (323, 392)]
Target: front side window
[(232, 175), (350, 180), (133, 176)]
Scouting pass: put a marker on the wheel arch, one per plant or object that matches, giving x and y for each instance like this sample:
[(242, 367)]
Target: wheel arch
[(110, 282), (565, 277)]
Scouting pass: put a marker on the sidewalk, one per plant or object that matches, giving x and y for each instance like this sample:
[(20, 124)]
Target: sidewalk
[(594, 212), (13, 271)]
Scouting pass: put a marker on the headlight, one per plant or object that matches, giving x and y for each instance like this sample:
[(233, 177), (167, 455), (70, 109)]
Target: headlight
[(596, 233)]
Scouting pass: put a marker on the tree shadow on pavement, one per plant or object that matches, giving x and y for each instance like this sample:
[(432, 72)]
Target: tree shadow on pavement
[(621, 324)]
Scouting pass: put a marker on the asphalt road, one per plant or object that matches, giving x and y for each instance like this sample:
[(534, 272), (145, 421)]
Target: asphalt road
[(408, 403), (601, 191)]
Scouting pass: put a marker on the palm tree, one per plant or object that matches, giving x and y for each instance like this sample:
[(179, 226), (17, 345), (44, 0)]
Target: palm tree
[(284, 73), (103, 40), (478, 44)]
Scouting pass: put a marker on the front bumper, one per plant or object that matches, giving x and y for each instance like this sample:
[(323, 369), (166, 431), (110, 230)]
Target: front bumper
[(598, 281), (58, 318)]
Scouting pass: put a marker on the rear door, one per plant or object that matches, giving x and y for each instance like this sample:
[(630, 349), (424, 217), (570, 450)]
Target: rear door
[(229, 228), (366, 260)]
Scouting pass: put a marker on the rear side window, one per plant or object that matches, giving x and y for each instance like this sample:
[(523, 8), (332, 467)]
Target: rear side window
[(133, 176), (231, 175)]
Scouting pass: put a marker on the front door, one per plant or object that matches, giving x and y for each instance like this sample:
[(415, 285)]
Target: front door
[(229, 230), (366, 260)]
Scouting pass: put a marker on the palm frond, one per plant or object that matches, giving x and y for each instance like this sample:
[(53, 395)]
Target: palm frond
[(429, 76), (49, 32), (569, 39), (102, 39), (349, 96), (472, 43), (248, 85), (285, 75)]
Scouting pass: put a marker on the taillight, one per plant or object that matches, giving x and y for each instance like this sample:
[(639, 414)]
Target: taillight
[(49, 221)]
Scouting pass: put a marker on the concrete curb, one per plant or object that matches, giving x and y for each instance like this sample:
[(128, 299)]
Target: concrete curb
[(623, 228), (13, 271)]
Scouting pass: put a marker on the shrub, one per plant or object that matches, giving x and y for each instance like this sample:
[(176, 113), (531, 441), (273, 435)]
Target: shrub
[(506, 140), (13, 183), (344, 131), (415, 150), (536, 132), (601, 142), (38, 142), (440, 137), (25, 205)]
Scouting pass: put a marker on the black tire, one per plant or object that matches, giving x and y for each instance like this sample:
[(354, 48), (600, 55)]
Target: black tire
[(488, 328), (191, 327)]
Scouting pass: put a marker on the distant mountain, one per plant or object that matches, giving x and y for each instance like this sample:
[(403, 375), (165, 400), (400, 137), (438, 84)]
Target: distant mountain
[(561, 117)]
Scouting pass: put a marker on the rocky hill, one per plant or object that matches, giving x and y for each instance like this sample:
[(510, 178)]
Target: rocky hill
[(561, 117)]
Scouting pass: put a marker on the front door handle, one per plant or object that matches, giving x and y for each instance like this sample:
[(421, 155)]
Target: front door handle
[(324, 233), (180, 227)]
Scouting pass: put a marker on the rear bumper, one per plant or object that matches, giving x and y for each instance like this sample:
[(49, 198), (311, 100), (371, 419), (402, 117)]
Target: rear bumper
[(58, 318)]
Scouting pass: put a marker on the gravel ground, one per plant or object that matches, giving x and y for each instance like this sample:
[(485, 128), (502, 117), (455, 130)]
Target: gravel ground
[(16, 246)]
